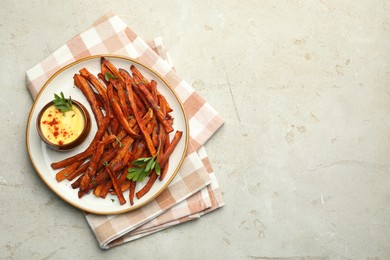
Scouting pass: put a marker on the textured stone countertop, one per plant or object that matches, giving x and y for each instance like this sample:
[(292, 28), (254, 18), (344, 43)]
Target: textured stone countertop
[(303, 156)]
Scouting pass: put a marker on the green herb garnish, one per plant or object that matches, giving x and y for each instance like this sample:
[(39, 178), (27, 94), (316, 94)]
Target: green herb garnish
[(62, 103), (143, 167), (118, 141), (109, 76)]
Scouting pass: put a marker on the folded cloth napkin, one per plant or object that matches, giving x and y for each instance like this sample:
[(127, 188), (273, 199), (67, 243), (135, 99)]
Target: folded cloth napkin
[(195, 190)]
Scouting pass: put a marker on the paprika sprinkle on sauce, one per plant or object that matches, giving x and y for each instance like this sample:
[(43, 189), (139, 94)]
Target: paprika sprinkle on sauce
[(62, 127)]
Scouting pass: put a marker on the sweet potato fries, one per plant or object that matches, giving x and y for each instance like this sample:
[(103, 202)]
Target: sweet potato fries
[(132, 139)]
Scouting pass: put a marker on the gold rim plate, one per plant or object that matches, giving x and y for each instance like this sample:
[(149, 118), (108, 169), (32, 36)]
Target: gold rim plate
[(42, 156)]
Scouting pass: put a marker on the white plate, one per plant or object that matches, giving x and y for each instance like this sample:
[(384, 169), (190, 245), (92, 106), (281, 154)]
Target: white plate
[(42, 156)]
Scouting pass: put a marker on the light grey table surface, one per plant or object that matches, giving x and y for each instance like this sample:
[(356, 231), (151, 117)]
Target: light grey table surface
[(303, 157)]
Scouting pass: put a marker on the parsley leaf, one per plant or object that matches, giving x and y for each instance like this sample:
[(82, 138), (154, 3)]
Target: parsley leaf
[(143, 167), (61, 103), (109, 76)]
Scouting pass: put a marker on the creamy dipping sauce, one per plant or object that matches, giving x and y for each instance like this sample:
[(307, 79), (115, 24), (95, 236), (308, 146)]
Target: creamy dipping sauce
[(62, 128)]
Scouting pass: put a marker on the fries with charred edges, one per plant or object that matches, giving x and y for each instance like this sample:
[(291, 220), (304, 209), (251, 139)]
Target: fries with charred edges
[(132, 140)]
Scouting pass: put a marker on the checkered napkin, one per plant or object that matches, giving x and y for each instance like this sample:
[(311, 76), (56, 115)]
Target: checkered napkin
[(195, 190)]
